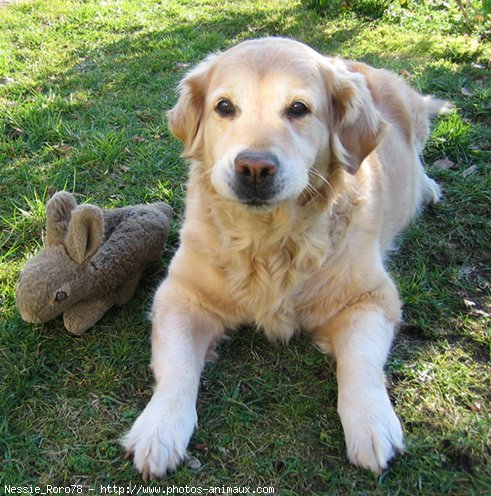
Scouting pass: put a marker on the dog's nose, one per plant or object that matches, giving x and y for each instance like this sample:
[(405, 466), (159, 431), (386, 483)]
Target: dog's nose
[(256, 167)]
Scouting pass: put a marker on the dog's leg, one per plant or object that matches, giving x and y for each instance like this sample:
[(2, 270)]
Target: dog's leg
[(361, 337), (182, 334)]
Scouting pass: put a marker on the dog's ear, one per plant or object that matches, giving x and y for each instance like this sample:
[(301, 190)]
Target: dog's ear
[(357, 125), (186, 116)]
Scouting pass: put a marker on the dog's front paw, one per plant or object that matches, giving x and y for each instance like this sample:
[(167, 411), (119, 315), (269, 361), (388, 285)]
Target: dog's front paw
[(159, 437), (373, 434)]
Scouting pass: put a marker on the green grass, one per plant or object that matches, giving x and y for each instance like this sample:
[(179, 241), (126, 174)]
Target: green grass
[(85, 110)]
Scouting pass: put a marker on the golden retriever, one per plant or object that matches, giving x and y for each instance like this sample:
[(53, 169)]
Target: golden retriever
[(303, 170)]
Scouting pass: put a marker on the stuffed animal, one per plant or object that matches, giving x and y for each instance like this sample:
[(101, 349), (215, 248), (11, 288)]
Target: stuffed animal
[(93, 259)]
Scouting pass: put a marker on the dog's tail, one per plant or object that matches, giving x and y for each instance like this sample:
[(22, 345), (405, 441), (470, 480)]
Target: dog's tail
[(436, 106), (430, 107)]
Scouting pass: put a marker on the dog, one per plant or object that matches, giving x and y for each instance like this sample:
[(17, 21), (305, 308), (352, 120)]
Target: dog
[(303, 171)]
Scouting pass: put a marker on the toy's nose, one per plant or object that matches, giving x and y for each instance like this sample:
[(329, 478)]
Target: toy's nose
[(29, 316), (32, 319)]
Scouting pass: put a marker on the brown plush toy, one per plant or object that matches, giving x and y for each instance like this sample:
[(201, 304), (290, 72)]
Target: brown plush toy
[(93, 259)]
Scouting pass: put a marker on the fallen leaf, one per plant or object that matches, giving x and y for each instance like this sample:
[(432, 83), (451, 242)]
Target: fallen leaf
[(476, 406), (469, 303), (444, 164), (139, 139), (193, 463), (16, 133), (481, 313), (471, 170), (465, 91), (6, 80), (467, 271), (63, 149), (145, 116)]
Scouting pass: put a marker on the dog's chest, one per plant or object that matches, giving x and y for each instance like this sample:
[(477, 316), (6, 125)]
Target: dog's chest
[(265, 264), (264, 284)]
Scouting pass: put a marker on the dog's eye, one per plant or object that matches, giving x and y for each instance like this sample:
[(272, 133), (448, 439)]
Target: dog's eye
[(225, 108), (296, 110)]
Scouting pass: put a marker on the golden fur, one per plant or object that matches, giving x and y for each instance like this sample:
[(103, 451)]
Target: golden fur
[(350, 180)]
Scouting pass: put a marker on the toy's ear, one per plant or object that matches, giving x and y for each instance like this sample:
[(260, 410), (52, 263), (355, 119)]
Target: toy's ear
[(85, 233), (58, 213)]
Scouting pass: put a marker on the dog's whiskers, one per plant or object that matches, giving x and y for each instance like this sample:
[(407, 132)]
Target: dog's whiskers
[(317, 174)]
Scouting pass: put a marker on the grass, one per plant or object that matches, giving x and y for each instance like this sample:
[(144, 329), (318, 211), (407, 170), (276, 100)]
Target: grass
[(84, 109)]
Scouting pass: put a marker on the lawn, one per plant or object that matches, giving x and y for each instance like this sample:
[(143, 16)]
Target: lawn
[(84, 89)]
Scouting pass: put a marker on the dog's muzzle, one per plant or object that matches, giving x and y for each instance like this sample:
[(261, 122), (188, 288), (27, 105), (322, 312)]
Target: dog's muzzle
[(255, 177)]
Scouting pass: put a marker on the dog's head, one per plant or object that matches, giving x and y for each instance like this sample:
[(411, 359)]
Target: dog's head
[(270, 119)]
